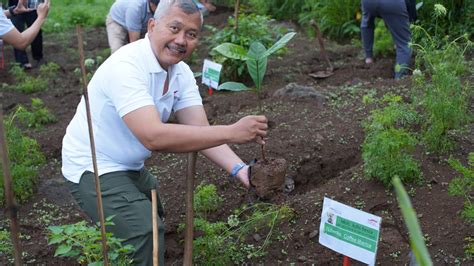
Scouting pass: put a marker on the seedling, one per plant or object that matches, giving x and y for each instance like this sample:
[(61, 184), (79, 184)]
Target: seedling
[(256, 58)]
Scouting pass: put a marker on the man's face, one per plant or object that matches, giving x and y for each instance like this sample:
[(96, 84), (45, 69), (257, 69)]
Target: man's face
[(174, 36)]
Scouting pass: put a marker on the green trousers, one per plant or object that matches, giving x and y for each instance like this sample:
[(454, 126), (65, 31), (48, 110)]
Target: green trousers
[(127, 195)]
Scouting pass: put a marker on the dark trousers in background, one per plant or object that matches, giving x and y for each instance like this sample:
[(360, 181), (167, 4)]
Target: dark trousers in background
[(20, 21), (125, 194), (395, 15)]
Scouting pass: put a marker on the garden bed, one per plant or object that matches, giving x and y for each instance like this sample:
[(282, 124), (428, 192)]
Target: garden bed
[(320, 137)]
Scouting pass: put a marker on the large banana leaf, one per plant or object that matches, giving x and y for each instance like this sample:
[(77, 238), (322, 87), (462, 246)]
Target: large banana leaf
[(233, 86), (232, 51), (257, 65), (279, 44)]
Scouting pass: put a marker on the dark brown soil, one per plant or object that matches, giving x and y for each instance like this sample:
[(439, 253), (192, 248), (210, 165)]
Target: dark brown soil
[(319, 138)]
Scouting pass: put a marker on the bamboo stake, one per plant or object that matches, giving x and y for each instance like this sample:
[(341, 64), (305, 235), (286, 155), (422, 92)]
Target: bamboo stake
[(236, 14), (154, 213), (100, 208), (9, 194), (188, 239)]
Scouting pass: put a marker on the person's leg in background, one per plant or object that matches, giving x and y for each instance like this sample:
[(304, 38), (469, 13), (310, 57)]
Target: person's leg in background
[(116, 34), (21, 56), (37, 44), (367, 27), (395, 15), (125, 195)]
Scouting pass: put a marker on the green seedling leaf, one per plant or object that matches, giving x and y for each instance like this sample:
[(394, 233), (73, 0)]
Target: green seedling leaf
[(55, 229), (232, 51), (279, 44), (257, 65), (62, 249), (417, 241), (233, 86)]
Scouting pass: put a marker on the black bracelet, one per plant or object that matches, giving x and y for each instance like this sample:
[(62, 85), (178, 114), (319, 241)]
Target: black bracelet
[(10, 10)]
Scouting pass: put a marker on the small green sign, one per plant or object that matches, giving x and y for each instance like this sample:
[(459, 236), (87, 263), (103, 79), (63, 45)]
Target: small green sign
[(350, 237)]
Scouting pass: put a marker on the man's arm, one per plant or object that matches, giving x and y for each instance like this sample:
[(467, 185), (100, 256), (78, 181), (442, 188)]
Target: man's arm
[(221, 155), (133, 36), (22, 40), (146, 125)]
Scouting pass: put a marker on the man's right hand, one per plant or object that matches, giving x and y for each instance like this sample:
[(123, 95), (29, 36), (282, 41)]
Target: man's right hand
[(43, 9), (250, 128)]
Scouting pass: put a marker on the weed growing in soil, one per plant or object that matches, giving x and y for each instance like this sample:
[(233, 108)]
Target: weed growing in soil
[(83, 242), (206, 200), (464, 185), (37, 117), (6, 246), (25, 158)]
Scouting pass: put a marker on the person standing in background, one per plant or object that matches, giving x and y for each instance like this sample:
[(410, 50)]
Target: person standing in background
[(19, 21), (396, 15)]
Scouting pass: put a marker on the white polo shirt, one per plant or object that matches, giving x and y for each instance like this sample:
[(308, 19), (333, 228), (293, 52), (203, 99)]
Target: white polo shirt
[(5, 24), (129, 79)]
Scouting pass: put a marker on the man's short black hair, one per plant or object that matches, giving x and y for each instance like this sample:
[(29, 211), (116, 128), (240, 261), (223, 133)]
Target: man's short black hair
[(155, 2)]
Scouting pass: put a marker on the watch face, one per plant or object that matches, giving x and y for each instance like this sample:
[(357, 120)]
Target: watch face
[(33, 4)]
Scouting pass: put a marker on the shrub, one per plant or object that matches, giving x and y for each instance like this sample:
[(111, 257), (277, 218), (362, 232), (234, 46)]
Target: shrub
[(336, 18), (278, 9), (464, 185), (25, 158), (387, 147), (83, 242)]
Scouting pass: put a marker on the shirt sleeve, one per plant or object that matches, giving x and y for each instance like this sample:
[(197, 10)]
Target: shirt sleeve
[(128, 89), (133, 16), (188, 91), (5, 24)]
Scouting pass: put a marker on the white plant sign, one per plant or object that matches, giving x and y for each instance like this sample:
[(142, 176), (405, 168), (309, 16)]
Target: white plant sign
[(211, 73), (349, 231)]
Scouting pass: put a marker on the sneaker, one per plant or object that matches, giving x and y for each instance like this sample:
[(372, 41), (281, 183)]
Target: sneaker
[(27, 66), (369, 61)]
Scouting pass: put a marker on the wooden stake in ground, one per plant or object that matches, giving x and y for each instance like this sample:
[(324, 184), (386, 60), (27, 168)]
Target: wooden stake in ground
[(188, 238), (9, 195), (236, 14), (100, 209), (154, 213)]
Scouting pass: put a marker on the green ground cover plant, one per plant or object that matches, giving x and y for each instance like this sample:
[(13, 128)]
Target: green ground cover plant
[(66, 14), (37, 116), (27, 83), (388, 144), (464, 185), (83, 242), (226, 242), (25, 158), (252, 28)]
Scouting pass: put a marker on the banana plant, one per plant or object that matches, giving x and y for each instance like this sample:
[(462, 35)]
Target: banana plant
[(256, 59)]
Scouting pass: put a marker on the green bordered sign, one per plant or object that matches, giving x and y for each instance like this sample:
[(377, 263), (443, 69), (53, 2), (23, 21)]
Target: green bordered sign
[(349, 231), (211, 73)]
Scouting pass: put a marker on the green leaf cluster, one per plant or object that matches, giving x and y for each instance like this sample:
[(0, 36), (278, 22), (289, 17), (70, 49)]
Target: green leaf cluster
[(24, 82), (256, 58), (251, 28), (83, 242), (464, 185), (25, 158), (388, 144), (37, 117), (206, 199)]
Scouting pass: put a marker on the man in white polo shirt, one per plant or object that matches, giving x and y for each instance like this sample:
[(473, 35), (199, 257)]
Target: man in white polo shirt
[(11, 35), (132, 95)]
